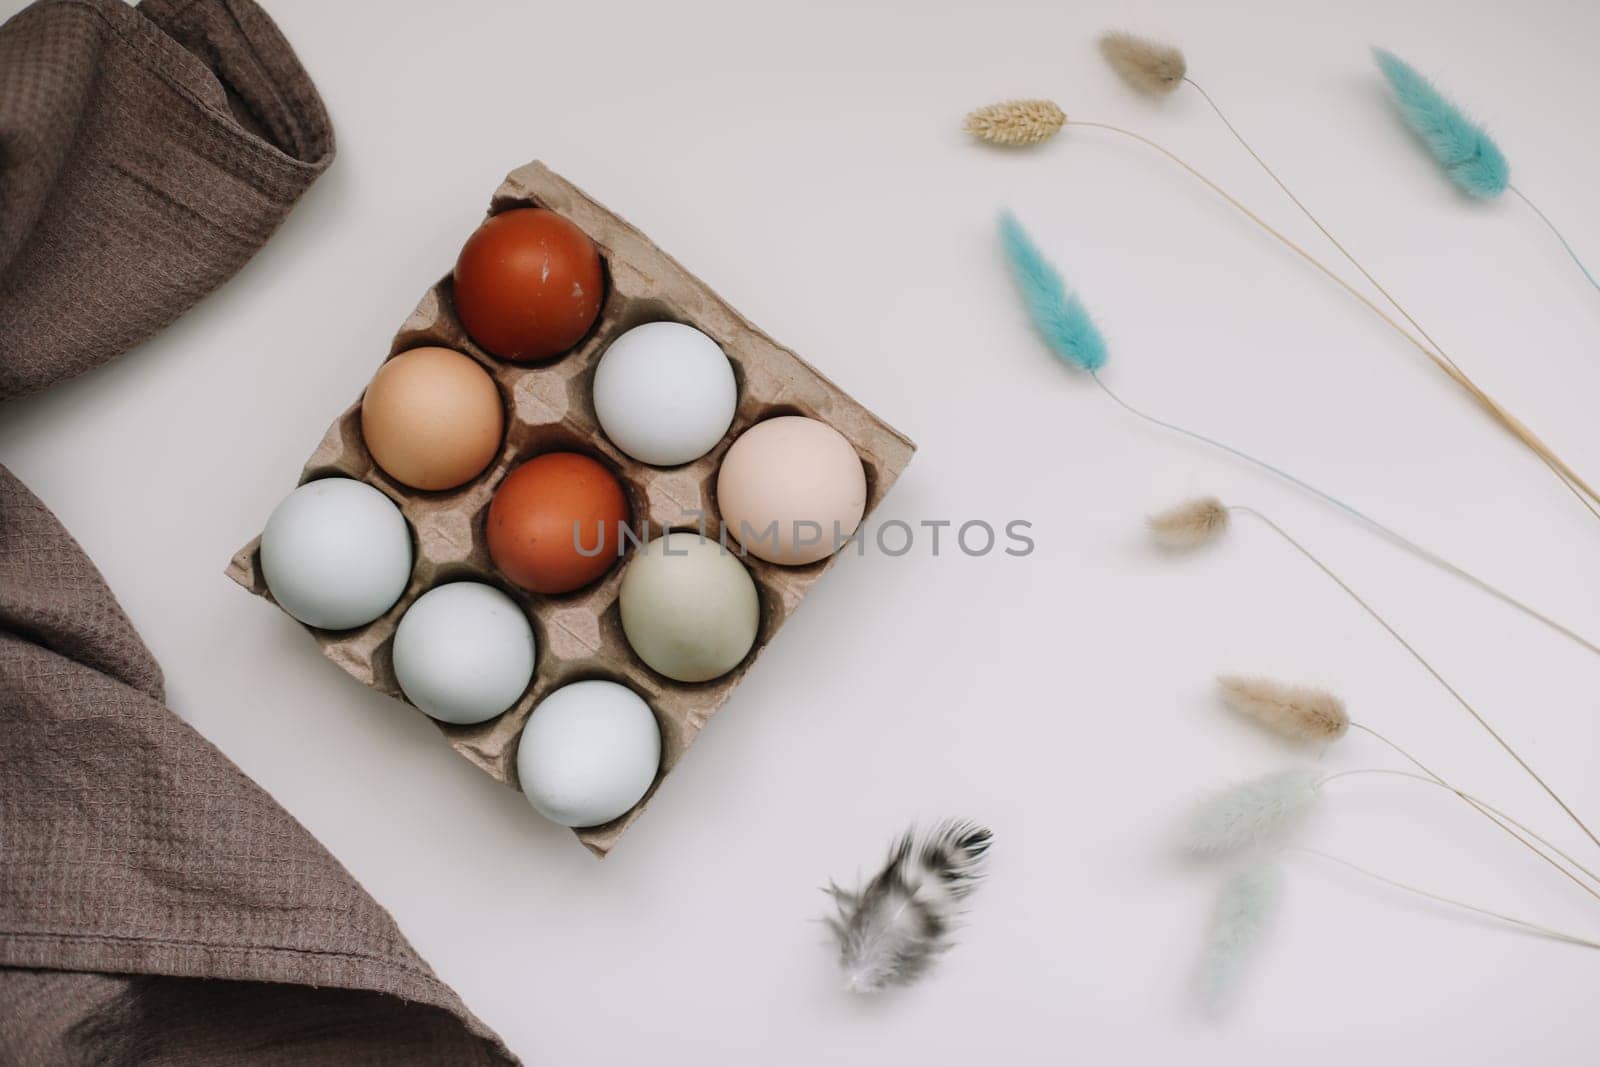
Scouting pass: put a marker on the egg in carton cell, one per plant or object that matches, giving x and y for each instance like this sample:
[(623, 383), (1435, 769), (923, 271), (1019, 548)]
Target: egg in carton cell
[(549, 407)]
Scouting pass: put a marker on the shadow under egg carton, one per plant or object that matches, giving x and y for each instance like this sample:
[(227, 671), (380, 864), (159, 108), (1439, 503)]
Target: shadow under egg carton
[(549, 408)]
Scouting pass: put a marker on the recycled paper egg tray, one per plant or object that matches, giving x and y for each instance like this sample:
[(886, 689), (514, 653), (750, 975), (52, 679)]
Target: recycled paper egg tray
[(549, 409)]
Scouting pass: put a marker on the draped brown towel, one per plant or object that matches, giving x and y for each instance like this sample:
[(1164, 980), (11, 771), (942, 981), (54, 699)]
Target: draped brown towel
[(156, 906)]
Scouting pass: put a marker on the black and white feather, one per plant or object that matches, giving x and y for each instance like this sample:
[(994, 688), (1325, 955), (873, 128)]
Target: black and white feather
[(892, 930)]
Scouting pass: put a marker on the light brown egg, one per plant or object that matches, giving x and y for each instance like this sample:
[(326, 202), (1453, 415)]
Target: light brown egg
[(432, 418)]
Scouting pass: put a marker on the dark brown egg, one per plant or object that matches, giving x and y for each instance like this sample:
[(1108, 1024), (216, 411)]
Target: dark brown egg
[(528, 285)]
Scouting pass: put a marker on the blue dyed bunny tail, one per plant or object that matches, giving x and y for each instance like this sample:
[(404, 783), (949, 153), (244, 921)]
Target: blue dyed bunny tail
[(1239, 924), (1251, 811), (1058, 315), (1467, 154)]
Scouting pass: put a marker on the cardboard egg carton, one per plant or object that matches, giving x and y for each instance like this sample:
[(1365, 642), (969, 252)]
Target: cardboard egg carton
[(549, 409)]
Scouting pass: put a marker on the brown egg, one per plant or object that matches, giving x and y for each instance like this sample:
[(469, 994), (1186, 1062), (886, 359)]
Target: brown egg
[(432, 418), (528, 284), (545, 511)]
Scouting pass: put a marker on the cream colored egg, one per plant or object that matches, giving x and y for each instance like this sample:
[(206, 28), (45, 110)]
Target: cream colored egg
[(791, 490), (689, 607)]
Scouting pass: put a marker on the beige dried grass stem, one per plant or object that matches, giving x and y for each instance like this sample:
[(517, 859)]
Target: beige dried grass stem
[(1465, 704), (1356, 263), (1570, 477), (1311, 714), (1521, 924), (1487, 810), (1389, 532), (1518, 831), (1306, 211)]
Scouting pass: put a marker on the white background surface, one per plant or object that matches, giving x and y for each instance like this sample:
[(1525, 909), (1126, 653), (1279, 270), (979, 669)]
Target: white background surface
[(807, 162)]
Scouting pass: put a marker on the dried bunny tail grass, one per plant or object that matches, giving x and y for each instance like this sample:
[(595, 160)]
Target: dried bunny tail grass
[(1057, 313), (1587, 494), (1147, 65), (1016, 123), (1464, 151), (1251, 811), (1239, 924), (1298, 711), (1191, 524)]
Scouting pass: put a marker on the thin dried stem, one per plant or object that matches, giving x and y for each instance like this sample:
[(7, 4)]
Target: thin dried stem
[(1522, 924), (1426, 554), (1345, 252), (1490, 812), (1368, 275), (1559, 466), (1422, 660), (1573, 252)]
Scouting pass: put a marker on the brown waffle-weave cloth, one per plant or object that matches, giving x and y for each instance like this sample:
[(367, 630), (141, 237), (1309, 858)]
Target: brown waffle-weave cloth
[(145, 155), (156, 906)]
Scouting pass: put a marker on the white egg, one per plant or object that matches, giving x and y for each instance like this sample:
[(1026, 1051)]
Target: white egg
[(336, 553), (689, 608), (589, 753), (464, 652), (665, 393)]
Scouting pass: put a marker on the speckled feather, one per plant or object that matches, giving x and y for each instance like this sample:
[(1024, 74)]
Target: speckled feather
[(894, 928)]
